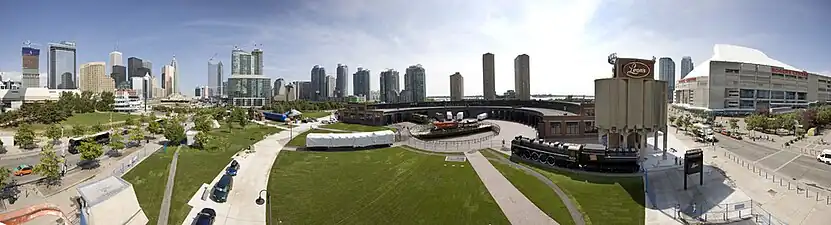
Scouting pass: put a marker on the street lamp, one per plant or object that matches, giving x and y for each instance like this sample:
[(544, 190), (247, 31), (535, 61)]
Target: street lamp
[(260, 200)]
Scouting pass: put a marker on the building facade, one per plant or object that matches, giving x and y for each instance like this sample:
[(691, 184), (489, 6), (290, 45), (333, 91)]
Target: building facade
[(522, 77), (488, 77), (341, 89), (279, 87), (174, 82), (249, 90), (119, 75), (389, 86), (415, 83), (740, 80), (214, 78), (666, 72), (361, 82), (62, 65), (319, 86), (168, 74), (686, 66), (31, 67), (93, 78), (240, 62), (257, 61), (331, 84), (457, 87)]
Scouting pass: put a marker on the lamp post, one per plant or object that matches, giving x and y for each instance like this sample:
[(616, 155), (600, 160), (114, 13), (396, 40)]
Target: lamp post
[(260, 201)]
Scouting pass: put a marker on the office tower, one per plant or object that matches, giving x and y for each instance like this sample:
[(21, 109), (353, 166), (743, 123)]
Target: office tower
[(389, 86), (457, 87), (304, 90), (135, 68), (522, 77), (405, 95), (666, 72), (116, 59), (175, 82), (147, 67), (154, 88), (240, 62), (331, 84), (168, 76), (341, 88), (318, 77), (279, 87), (686, 66), (488, 77), (93, 78), (360, 82), (219, 78), (197, 92), (257, 61), (291, 92), (62, 65), (31, 67), (224, 88), (214, 78), (119, 75), (414, 83)]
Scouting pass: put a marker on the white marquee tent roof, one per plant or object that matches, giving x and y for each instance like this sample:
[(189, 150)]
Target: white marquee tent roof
[(733, 53)]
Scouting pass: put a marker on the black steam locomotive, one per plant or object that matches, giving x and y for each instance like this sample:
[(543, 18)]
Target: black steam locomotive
[(589, 157)]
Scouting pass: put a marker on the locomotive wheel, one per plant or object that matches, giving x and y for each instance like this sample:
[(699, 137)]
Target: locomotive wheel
[(551, 160), (535, 156)]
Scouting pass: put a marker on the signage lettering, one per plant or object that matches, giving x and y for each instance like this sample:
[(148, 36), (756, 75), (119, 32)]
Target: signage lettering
[(636, 70), (788, 72)]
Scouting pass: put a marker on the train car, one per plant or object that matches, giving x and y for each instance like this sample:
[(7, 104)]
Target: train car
[(278, 117), (445, 125), (482, 116), (590, 157), (595, 157)]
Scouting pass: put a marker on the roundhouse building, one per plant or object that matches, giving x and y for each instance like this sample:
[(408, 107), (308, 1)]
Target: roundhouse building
[(551, 119), (740, 80)]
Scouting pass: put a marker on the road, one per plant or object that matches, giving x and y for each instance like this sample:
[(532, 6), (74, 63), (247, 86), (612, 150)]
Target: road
[(785, 162)]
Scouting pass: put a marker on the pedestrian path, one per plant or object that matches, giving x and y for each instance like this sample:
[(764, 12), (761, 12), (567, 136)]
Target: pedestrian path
[(164, 211), (516, 207)]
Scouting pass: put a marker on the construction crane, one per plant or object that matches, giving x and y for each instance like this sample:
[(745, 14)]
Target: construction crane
[(212, 57), (257, 45)]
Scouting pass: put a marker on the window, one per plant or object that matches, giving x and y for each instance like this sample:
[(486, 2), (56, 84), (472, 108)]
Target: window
[(572, 128), (747, 93), (762, 94), (555, 128), (731, 71)]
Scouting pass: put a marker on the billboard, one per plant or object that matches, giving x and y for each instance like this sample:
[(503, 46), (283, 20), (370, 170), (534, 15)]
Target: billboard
[(634, 68), (31, 58)]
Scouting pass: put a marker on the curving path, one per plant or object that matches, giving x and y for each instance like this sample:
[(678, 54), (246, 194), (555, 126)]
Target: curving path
[(575, 213)]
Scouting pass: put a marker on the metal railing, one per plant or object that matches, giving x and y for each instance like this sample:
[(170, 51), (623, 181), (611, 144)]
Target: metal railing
[(808, 190), (127, 163), (405, 136)]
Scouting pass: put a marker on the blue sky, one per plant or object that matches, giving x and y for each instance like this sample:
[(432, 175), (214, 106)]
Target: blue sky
[(568, 40)]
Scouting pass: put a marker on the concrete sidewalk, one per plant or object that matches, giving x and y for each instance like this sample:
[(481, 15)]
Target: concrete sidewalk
[(516, 207)]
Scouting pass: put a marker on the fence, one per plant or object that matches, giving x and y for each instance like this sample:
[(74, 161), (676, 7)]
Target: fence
[(127, 163), (808, 190), (404, 135)]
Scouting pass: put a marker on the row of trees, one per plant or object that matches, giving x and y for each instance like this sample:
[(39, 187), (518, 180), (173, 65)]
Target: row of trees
[(51, 112), (302, 105)]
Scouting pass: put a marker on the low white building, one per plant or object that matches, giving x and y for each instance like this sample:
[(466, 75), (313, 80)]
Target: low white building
[(124, 102), (110, 201), (14, 98)]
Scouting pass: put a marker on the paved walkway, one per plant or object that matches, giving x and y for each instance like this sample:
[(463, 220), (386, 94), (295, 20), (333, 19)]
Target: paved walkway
[(164, 211), (516, 207)]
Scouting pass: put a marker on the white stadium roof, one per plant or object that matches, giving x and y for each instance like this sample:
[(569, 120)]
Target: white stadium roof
[(733, 53)]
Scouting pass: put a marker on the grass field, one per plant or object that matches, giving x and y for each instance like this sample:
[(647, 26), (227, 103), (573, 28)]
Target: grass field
[(149, 178), (300, 139), (89, 119), (194, 168), (538, 192), (356, 127), (316, 114), (384, 186), (602, 199)]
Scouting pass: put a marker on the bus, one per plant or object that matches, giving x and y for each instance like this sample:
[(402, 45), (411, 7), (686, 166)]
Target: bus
[(100, 138)]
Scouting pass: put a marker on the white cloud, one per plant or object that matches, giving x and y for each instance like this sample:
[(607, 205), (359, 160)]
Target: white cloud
[(448, 36)]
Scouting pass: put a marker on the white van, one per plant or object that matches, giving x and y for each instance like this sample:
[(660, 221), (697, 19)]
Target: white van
[(825, 157)]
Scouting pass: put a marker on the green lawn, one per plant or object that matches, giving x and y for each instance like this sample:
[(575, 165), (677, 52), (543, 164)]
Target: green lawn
[(602, 199), (315, 114), (300, 139), (356, 127), (538, 192), (90, 119), (384, 186), (196, 167), (149, 178)]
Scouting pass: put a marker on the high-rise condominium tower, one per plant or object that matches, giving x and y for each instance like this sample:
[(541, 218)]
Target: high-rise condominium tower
[(214, 78), (414, 83), (389, 86), (174, 84), (341, 88), (522, 77), (457, 87), (666, 72), (360, 82), (240, 62), (93, 78), (686, 66), (31, 67), (488, 77), (62, 65), (318, 86), (257, 61), (331, 83)]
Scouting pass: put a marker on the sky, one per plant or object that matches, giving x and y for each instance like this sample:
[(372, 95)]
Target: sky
[(567, 40)]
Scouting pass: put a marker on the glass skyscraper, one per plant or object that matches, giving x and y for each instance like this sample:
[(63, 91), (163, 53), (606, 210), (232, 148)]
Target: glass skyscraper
[(62, 65)]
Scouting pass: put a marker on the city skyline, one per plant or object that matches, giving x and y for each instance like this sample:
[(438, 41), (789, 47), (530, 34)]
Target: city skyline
[(576, 46)]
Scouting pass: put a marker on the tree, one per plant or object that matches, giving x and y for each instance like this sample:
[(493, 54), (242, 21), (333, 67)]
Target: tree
[(90, 150), (136, 135), (130, 121), (50, 165), (824, 116), (175, 133), (240, 117), (672, 118), (79, 130), (734, 124), (117, 141), (154, 127), (143, 118), (203, 140), (25, 137), (106, 101), (3, 149), (54, 132), (98, 127), (203, 123), (5, 176)]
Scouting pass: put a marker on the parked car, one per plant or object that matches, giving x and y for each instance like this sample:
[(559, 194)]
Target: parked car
[(233, 168), (221, 188), (825, 157), (23, 169), (205, 217)]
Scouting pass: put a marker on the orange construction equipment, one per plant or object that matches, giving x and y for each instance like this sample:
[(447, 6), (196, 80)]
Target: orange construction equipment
[(24, 215)]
